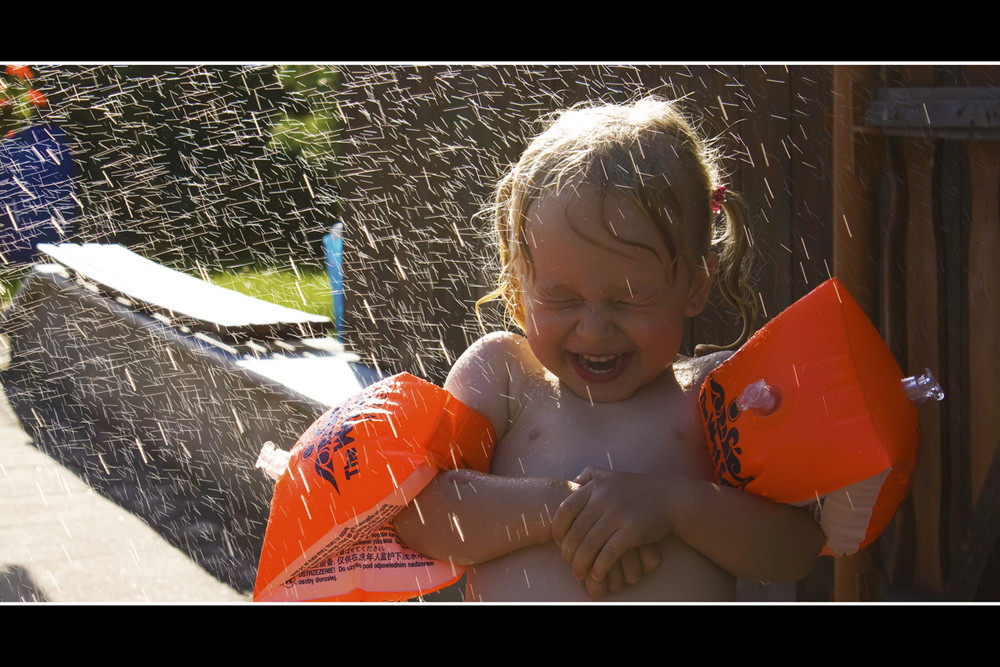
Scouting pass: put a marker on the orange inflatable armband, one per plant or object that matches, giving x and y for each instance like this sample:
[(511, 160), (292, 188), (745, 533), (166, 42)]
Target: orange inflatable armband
[(329, 535), (814, 408)]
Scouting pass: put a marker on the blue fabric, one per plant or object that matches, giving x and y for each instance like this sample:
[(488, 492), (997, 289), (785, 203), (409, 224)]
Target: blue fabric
[(333, 245), (36, 186)]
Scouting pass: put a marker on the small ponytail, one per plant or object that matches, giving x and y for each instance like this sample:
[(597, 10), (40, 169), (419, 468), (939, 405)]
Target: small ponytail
[(734, 246)]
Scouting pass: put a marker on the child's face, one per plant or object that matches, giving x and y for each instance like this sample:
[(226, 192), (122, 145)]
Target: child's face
[(601, 314)]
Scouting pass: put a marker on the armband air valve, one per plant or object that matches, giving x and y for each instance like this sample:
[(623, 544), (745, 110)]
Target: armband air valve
[(814, 409)]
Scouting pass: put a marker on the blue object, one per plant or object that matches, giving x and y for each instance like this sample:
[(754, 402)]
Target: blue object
[(36, 192), (333, 244)]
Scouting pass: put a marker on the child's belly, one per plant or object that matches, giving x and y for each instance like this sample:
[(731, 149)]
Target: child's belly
[(539, 574)]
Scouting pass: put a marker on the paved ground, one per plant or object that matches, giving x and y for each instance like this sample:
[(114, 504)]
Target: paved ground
[(62, 542)]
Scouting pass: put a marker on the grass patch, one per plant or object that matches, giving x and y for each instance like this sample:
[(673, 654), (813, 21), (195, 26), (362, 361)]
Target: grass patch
[(10, 281), (307, 290)]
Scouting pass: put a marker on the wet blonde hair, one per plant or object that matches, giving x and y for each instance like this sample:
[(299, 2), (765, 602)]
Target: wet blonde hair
[(628, 149)]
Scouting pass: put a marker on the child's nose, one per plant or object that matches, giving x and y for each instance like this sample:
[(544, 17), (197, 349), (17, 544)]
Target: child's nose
[(595, 323)]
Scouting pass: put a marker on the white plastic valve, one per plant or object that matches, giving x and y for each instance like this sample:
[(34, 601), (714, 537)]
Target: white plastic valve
[(273, 461), (919, 389), (760, 397)]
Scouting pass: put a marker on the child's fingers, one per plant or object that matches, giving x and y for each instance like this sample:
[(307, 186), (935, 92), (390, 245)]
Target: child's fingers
[(636, 561), (615, 578), (650, 556), (626, 570), (583, 542), (591, 542), (585, 521), (578, 532), (596, 589), (631, 566), (567, 516), (590, 473), (567, 513), (611, 552)]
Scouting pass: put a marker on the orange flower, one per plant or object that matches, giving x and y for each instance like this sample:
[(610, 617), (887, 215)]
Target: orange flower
[(37, 98), (20, 71)]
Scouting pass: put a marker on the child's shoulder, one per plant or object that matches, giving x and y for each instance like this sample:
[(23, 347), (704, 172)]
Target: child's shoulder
[(692, 371), (483, 376), (499, 342), (492, 351)]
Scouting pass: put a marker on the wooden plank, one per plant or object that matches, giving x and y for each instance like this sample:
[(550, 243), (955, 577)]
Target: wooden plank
[(747, 107), (980, 538), (855, 252), (955, 112), (922, 351), (984, 310), (780, 243), (902, 534), (984, 350), (809, 146), (180, 295), (857, 163)]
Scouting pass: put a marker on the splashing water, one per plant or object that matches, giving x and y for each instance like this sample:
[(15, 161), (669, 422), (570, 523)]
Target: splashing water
[(205, 168)]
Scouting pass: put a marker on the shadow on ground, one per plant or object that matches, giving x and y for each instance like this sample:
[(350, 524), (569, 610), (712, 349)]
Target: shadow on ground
[(16, 586)]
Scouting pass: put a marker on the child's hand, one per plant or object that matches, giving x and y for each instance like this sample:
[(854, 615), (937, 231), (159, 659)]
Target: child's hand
[(628, 569), (608, 519)]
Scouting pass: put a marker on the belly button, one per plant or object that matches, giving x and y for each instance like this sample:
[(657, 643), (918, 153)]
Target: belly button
[(534, 433)]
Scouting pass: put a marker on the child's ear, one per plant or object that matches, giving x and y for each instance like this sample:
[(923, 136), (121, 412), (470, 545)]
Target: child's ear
[(701, 283)]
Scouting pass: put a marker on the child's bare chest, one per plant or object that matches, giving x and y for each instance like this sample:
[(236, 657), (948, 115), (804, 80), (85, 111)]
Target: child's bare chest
[(558, 435)]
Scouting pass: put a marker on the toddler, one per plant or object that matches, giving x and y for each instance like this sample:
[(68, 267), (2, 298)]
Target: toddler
[(611, 232)]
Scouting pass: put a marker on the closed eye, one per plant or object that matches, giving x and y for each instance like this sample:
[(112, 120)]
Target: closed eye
[(564, 302), (557, 296), (638, 296), (554, 302), (639, 301)]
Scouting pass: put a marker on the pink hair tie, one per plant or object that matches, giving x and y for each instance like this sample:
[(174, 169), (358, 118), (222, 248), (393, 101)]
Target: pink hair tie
[(718, 197)]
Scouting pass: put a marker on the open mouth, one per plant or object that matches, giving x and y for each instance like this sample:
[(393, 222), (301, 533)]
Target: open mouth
[(599, 368)]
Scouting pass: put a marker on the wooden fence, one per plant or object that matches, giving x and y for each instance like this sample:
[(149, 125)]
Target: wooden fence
[(917, 238), (841, 177), (423, 146)]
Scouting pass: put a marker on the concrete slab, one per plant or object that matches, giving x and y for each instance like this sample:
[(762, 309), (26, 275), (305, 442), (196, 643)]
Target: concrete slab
[(60, 541)]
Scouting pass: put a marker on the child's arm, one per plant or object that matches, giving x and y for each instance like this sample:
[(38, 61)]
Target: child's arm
[(469, 516), (752, 538)]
